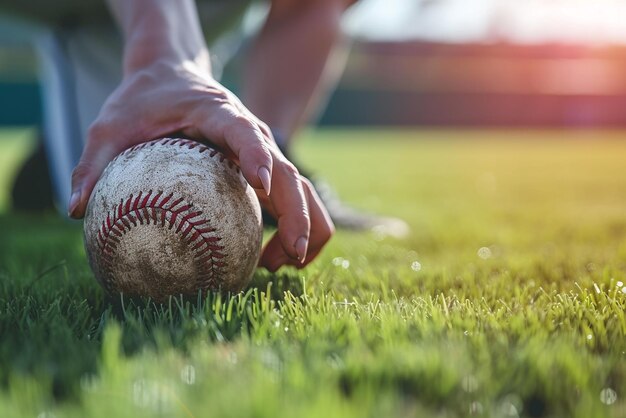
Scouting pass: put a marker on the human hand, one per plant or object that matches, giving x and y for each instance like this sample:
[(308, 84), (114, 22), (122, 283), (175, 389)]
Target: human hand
[(168, 97)]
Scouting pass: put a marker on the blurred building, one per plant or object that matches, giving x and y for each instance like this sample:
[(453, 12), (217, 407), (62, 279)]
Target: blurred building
[(485, 62)]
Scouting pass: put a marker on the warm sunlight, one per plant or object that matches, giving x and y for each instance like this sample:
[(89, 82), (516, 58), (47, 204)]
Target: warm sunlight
[(529, 21)]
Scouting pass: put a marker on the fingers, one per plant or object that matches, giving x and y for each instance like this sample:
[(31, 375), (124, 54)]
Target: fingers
[(291, 207), (238, 133), (97, 154), (242, 140), (322, 227), (249, 141), (321, 230)]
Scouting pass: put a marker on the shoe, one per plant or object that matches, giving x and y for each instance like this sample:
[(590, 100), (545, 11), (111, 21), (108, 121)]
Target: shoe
[(345, 216), (349, 218), (32, 188)]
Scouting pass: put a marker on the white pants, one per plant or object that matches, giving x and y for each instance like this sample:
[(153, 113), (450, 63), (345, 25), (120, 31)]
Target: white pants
[(79, 69)]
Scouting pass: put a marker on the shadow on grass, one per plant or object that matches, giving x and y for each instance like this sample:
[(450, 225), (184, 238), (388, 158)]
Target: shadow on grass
[(53, 313)]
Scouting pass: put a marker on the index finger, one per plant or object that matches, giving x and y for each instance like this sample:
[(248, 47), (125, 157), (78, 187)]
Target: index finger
[(290, 206), (239, 137)]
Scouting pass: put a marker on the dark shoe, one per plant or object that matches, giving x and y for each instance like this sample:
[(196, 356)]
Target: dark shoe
[(349, 218), (32, 188), (345, 216)]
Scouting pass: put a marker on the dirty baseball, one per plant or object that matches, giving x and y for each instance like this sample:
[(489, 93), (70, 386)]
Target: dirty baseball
[(170, 217)]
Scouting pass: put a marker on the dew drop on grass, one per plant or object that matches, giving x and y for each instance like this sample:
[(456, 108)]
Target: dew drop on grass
[(484, 253), (608, 396), (150, 394), (416, 266), (624, 290), (509, 409), (620, 284), (470, 384), (476, 408), (511, 406), (88, 383), (188, 374), (589, 337), (344, 303), (341, 262)]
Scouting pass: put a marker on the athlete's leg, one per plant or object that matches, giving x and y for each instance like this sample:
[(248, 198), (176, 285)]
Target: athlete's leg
[(294, 63), (80, 67), (292, 67)]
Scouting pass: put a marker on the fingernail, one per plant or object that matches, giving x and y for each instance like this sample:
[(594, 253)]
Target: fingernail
[(74, 200), (301, 247), (266, 179)]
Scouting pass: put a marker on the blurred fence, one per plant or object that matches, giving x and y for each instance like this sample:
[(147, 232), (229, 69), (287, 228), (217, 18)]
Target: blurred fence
[(428, 83)]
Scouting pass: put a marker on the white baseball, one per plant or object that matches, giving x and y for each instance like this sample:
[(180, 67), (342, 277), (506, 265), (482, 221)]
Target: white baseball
[(170, 217)]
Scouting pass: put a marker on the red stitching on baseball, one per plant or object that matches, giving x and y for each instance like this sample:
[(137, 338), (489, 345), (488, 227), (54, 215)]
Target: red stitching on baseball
[(197, 235), (190, 144)]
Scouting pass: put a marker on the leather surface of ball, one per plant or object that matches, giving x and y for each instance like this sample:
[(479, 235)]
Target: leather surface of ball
[(170, 217)]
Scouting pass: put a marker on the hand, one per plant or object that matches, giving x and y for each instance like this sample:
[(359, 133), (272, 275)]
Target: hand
[(170, 97)]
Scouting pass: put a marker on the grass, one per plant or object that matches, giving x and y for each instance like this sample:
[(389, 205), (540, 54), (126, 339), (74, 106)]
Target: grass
[(506, 300)]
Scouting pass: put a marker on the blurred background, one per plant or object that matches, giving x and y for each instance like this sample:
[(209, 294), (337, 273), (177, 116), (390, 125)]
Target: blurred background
[(442, 63), (486, 62)]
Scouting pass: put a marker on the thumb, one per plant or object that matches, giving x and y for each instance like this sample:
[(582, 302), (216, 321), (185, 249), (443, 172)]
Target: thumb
[(96, 156)]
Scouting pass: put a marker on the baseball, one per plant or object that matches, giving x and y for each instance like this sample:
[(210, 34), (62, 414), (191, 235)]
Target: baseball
[(170, 217)]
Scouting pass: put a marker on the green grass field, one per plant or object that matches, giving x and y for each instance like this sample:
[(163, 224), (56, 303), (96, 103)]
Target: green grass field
[(507, 300)]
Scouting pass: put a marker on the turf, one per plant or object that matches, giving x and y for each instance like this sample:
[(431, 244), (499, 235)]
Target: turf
[(506, 300)]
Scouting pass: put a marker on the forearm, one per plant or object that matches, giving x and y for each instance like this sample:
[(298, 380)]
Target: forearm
[(290, 68), (157, 30)]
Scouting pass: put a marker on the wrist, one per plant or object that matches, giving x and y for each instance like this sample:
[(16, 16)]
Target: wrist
[(143, 50), (159, 30)]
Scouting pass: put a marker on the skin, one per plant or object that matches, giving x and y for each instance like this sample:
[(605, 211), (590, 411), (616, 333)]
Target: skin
[(282, 85), (168, 88)]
